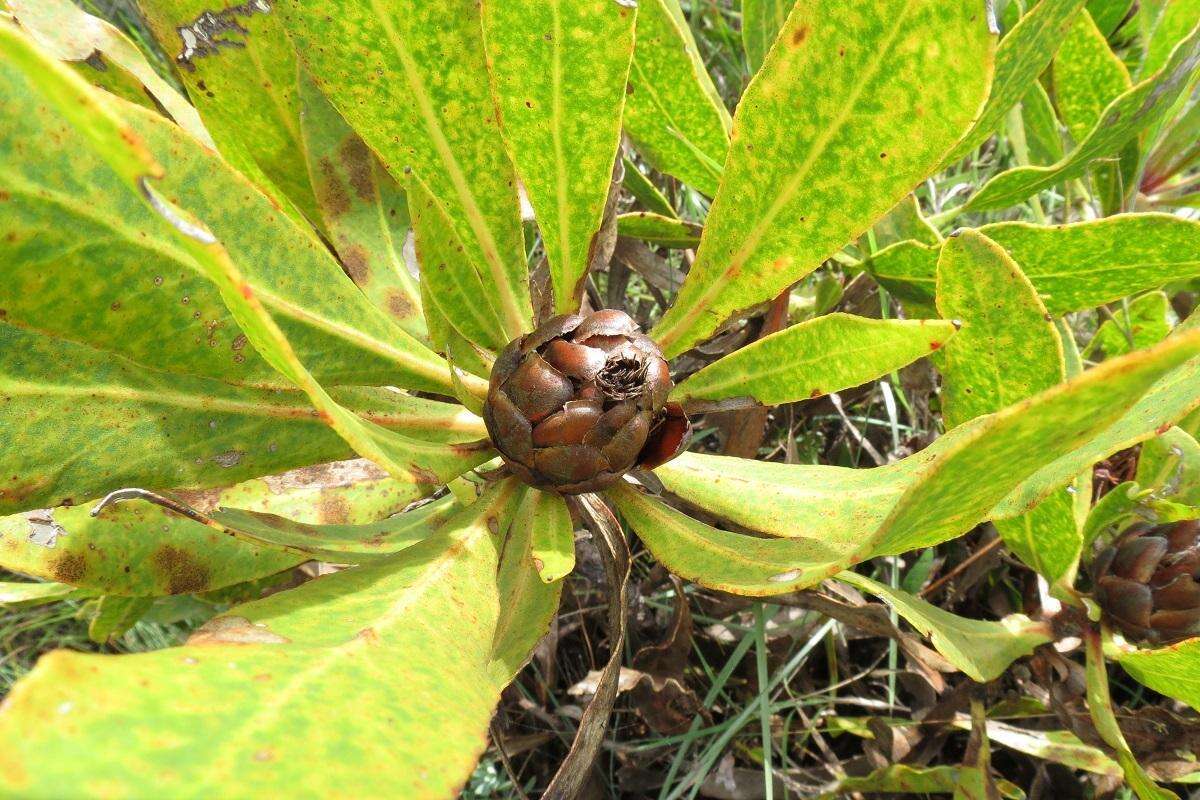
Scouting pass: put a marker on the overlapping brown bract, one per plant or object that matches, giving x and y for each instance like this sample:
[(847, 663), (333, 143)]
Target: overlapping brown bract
[(1148, 582), (580, 401)]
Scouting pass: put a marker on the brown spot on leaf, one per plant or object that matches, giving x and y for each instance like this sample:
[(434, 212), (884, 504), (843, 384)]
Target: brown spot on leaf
[(356, 158), (799, 35), (69, 568), (17, 490), (399, 305), (183, 573), (332, 509), (357, 263), (330, 189)]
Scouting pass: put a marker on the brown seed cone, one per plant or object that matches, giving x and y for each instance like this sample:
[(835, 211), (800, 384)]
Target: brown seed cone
[(580, 401), (1147, 582)]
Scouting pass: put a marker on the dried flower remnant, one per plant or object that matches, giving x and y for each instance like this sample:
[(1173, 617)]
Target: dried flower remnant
[(580, 401)]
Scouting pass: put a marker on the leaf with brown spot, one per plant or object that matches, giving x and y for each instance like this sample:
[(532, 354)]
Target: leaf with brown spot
[(249, 697), (246, 94), (117, 553), (363, 208)]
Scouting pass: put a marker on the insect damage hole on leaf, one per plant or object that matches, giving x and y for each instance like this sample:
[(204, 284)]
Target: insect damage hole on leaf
[(210, 31)]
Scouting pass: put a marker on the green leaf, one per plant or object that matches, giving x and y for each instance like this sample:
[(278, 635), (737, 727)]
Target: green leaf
[(1105, 720), (139, 549), (722, 560), (1060, 747), (528, 602), (1023, 54), (1007, 348), (645, 192), (761, 22), (1122, 120), (245, 91), (421, 464), (339, 543), (552, 534), (80, 422), (1169, 400), (1108, 14), (823, 355), (559, 71), (1041, 126), (981, 649), (673, 113), (1136, 325), (905, 779), (154, 302), (1087, 76), (415, 88), (1176, 20), (1173, 670), (71, 34), (660, 230), (1170, 462), (363, 208), (905, 221), (115, 615), (17, 594), (1073, 267), (836, 517), (249, 697), (453, 288), (798, 185)]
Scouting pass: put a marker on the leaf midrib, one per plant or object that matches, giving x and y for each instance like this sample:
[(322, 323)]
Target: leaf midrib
[(288, 308), (767, 220), (512, 317)]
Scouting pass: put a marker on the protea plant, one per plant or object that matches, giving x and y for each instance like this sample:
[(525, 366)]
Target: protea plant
[(222, 359)]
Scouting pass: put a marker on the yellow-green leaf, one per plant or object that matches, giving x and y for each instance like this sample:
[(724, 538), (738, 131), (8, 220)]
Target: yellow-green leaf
[(814, 358), (414, 86), (834, 517), (363, 209), (80, 422), (1120, 122), (1008, 348), (552, 534), (657, 229), (150, 301), (421, 464), (250, 696), (1173, 670), (899, 83), (761, 22), (1087, 76), (1023, 54), (71, 34), (559, 71), (1135, 325), (673, 113), (981, 649), (1073, 267), (240, 72), (174, 555)]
